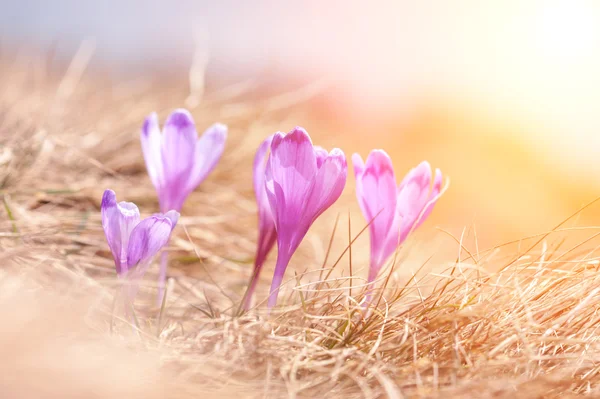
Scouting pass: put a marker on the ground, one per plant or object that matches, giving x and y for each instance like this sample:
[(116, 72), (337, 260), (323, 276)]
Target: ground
[(516, 320)]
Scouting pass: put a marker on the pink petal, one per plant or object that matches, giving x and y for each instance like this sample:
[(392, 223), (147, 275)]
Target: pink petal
[(413, 196), (321, 153), (258, 170), (266, 225), (208, 151), (290, 171), (327, 188), (151, 148), (359, 165), (376, 193), (414, 191), (298, 192), (431, 200)]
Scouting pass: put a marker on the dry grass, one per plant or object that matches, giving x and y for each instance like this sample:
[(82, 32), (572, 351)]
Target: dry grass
[(513, 321)]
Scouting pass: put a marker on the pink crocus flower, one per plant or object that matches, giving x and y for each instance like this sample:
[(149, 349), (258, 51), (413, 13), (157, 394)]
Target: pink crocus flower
[(392, 211), (302, 181), (177, 161), (267, 233), (133, 242)]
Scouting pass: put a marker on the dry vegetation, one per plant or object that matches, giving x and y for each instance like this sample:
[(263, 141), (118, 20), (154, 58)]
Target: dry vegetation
[(514, 321)]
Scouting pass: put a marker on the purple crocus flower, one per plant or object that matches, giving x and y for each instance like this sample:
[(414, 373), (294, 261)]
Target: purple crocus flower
[(302, 181), (393, 212), (134, 243), (177, 161), (267, 233)]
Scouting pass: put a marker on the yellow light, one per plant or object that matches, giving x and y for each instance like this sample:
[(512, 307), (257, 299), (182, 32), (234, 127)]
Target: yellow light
[(568, 30)]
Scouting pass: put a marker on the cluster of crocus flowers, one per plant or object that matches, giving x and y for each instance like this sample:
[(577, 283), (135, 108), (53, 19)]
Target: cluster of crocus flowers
[(134, 242), (392, 211), (294, 183)]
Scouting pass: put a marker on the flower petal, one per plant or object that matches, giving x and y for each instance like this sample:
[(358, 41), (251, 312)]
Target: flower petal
[(151, 148), (321, 153), (208, 151), (267, 234), (118, 220), (377, 197), (431, 200), (265, 217), (327, 187), (178, 144), (414, 191), (290, 171), (147, 238), (258, 169), (173, 216), (413, 195)]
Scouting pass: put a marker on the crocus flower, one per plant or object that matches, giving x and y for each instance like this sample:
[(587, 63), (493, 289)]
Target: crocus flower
[(134, 243), (302, 181), (177, 161), (267, 234), (393, 212)]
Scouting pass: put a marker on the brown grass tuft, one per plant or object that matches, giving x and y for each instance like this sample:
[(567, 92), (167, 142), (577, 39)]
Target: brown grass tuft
[(513, 321)]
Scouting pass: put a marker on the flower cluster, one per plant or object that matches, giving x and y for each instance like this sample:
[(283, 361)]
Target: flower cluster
[(294, 183)]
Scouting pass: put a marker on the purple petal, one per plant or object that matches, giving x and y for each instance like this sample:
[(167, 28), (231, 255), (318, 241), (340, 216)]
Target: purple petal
[(118, 221), (258, 169), (432, 199), (291, 169), (208, 151), (359, 165), (413, 196), (376, 193), (151, 148), (147, 238), (299, 192), (267, 234), (266, 224), (173, 216), (327, 187), (178, 153), (321, 153)]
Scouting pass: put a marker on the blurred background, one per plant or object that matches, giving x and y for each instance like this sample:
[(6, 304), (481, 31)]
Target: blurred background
[(503, 96)]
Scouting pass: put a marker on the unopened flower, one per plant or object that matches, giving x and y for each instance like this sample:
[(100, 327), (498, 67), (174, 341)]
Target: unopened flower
[(392, 211), (177, 161), (267, 233), (134, 243), (302, 181)]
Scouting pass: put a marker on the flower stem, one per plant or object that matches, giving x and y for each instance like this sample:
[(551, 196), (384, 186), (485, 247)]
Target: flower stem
[(162, 276), (282, 263), (251, 287)]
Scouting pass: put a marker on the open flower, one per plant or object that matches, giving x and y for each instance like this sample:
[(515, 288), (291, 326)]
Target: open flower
[(302, 181), (177, 161), (267, 234), (393, 212), (134, 243)]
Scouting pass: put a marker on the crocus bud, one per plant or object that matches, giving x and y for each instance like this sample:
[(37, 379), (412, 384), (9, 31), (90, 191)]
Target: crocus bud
[(267, 234), (177, 161), (302, 181), (134, 243), (393, 212)]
